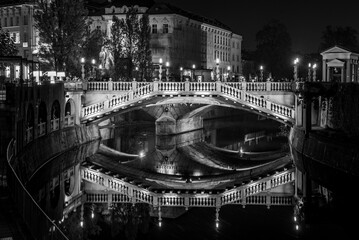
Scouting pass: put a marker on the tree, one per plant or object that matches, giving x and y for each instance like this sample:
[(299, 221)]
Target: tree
[(129, 44), (342, 36), (274, 48), (7, 45), (61, 25), (144, 58)]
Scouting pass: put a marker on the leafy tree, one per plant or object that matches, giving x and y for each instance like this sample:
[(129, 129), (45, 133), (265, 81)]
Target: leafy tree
[(61, 25), (274, 48), (129, 44), (144, 58), (7, 45), (342, 36)]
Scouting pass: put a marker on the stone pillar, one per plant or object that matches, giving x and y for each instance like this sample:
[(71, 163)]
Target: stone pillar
[(347, 68), (324, 71), (323, 108), (328, 74), (307, 114)]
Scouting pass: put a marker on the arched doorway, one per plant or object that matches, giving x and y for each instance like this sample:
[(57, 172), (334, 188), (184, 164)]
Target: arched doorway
[(29, 124), (55, 115), (42, 119), (70, 111)]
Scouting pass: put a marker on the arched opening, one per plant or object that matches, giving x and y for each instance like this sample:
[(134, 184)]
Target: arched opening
[(29, 125), (42, 119), (69, 113), (55, 116)]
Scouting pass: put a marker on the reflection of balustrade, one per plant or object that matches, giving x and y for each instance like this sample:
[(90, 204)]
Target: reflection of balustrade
[(41, 128), (55, 124), (235, 195), (69, 120), (29, 135)]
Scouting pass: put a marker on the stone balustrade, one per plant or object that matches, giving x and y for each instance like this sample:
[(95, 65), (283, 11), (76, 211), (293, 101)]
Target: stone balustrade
[(129, 192), (179, 86), (193, 88)]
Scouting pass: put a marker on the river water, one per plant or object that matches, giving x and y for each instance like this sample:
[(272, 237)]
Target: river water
[(222, 147)]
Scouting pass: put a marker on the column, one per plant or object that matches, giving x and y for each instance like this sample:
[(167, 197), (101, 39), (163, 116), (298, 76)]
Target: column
[(348, 72), (307, 114), (324, 71)]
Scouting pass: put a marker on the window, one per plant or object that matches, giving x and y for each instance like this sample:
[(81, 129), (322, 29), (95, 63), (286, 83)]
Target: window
[(15, 36), (25, 20), (25, 37), (165, 28), (154, 28), (17, 21), (11, 21), (5, 22)]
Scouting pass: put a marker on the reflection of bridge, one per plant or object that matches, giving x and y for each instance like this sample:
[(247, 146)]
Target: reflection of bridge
[(236, 95)]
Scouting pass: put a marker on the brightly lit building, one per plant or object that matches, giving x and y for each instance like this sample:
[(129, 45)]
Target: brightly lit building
[(17, 18), (187, 43)]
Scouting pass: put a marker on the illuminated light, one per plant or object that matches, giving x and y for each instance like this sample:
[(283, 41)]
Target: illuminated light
[(297, 227), (92, 215), (82, 60), (251, 108), (142, 154), (160, 60), (314, 66), (93, 61), (81, 223), (217, 60), (295, 218), (241, 150), (160, 223), (217, 224)]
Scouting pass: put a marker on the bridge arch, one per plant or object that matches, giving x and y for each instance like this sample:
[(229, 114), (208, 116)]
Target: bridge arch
[(42, 118), (55, 115), (70, 107)]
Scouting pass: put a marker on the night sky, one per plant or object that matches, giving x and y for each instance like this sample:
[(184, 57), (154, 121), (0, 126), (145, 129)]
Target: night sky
[(305, 19)]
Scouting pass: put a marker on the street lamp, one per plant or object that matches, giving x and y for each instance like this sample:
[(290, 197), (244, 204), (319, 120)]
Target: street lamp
[(261, 73), (181, 73), (82, 68), (217, 69), (194, 68), (309, 68), (93, 62), (167, 70), (296, 61), (160, 71), (314, 72), (228, 72)]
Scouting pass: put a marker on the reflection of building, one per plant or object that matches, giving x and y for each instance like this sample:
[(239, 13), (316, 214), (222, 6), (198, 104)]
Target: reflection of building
[(340, 65)]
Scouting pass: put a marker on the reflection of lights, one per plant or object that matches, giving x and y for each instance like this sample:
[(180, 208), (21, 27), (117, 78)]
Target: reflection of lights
[(197, 173)]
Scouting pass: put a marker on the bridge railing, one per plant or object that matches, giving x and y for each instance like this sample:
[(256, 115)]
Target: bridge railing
[(194, 86), (138, 194), (202, 88)]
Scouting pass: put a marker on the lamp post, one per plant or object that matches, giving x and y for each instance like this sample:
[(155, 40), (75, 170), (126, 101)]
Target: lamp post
[(93, 62), (82, 68), (296, 61), (100, 68), (228, 72), (194, 68), (181, 73), (217, 69), (160, 71), (314, 72), (167, 70), (261, 73), (136, 73), (309, 73)]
